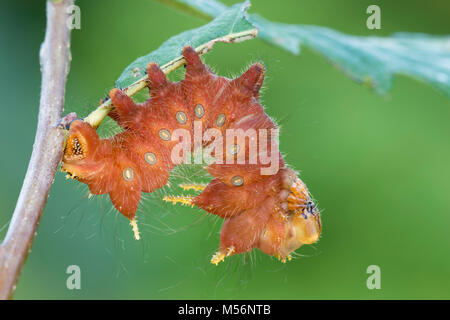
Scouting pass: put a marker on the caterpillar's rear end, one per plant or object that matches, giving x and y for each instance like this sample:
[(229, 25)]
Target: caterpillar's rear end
[(263, 206)]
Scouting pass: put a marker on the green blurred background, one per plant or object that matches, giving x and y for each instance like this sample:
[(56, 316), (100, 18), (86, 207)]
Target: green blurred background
[(379, 166)]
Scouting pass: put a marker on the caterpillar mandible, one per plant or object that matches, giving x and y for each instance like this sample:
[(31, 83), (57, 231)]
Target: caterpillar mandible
[(273, 212)]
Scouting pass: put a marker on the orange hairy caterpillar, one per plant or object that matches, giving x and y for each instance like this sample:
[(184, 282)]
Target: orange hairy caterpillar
[(271, 211)]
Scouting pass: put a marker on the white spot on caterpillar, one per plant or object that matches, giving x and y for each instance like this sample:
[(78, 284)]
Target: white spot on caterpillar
[(128, 174)]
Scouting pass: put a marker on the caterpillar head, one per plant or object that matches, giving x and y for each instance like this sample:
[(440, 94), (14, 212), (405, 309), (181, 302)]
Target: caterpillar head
[(305, 224), (303, 227), (298, 224)]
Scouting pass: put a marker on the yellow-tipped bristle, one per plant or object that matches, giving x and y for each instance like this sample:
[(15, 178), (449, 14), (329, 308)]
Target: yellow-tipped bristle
[(284, 259), (183, 200), (217, 257), (220, 256), (193, 186), (134, 225)]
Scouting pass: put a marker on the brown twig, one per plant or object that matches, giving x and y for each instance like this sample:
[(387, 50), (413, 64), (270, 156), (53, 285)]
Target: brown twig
[(47, 149)]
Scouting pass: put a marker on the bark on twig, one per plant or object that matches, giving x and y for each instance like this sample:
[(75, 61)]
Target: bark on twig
[(47, 149)]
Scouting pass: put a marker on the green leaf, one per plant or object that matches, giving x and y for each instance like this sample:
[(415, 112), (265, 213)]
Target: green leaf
[(369, 60), (231, 25), (372, 60)]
